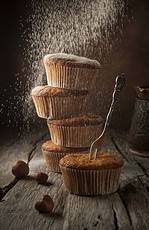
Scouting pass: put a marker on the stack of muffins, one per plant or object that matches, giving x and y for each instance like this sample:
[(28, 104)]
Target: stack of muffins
[(64, 103)]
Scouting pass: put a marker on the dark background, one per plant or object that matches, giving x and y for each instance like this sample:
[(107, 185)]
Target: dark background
[(131, 57), (10, 38)]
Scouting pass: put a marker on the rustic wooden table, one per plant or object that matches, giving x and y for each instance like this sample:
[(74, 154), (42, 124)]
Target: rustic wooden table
[(126, 209)]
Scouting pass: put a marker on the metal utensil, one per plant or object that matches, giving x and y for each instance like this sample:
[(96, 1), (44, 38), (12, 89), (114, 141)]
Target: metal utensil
[(96, 145)]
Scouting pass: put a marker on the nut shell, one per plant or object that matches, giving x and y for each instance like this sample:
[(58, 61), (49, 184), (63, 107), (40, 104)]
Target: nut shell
[(20, 170), (42, 178), (41, 207), (49, 202)]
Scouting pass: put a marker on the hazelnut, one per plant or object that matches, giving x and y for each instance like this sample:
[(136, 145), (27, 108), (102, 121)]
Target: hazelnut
[(20, 170), (46, 205), (41, 207), (42, 178), (49, 203)]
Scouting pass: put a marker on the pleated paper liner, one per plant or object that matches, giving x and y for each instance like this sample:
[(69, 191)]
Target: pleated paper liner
[(52, 159), (70, 77), (91, 182), (58, 107), (53, 153), (74, 136)]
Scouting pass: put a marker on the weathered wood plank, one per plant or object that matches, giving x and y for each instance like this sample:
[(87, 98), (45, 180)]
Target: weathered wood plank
[(18, 149), (135, 194), (88, 213), (102, 212), (57, 190), (17, 210), (119, 211), (121, 215), (136, 201), (122, 145)]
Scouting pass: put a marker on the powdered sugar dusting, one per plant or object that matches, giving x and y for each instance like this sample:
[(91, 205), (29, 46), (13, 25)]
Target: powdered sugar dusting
[(72, 58), (83, 28)]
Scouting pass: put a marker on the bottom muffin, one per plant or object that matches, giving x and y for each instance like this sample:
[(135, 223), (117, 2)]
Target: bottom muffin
[(91, 177), (53, 153)]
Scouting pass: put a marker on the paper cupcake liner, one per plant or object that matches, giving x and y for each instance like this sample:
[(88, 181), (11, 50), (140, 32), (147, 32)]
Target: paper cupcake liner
[(52, 159), (91, 182), (77, 136), (60, 107), (70, 77)]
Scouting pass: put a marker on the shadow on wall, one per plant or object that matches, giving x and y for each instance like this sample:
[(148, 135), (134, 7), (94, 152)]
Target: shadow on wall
[(121, 44)]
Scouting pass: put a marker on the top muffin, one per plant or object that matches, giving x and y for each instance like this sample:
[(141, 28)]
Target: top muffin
[(70, 71), (70, 60)]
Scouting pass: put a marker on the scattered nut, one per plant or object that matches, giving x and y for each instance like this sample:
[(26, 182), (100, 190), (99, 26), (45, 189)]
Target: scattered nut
[(20, 170), (42, 178), (46, 205), (41, 207), (49, 203)]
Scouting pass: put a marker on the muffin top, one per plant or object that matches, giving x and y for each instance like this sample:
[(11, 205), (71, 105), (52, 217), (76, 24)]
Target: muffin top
[(80, 120), (50, 146), (55, 91), (70, 60), (81, 161)]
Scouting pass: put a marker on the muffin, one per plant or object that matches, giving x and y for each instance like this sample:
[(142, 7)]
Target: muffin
[(71, 71), (53, 153), (75, 132), (56, 103), (91, 177)]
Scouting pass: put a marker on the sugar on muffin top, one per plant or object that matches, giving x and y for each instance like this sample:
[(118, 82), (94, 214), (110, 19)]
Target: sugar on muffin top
[(70, 60)]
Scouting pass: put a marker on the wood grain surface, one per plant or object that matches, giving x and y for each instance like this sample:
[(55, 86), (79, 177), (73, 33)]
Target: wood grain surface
[(127, 209)]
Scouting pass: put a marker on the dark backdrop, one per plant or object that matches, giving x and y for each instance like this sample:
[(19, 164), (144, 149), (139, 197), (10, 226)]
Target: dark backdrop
[(10, 39), (132, 57)]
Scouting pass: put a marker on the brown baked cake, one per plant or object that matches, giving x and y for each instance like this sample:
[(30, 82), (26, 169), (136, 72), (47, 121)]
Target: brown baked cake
[(56, 103), (91, 177), (53, 153), (71, 71), (75, 132)]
